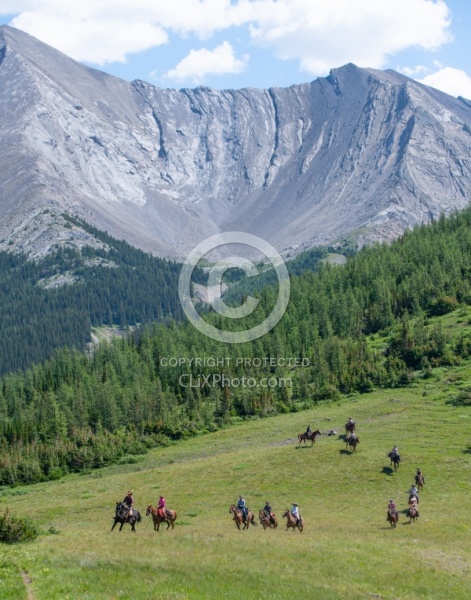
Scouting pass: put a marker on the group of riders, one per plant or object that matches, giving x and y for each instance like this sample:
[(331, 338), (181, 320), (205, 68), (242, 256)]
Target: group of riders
[(268, 511), (413, 498), (128, 503)]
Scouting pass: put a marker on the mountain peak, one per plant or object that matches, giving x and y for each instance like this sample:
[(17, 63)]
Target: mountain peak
[(361, 152)]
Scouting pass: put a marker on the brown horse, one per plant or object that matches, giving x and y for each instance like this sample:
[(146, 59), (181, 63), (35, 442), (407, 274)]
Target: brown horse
[(412, 513), (239, 518), (302, 437), (169, 518), (291, 521), (419, 482), (266, 521), (393, 517), (353, 443)]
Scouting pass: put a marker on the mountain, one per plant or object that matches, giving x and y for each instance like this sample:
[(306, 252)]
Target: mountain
[(361, 153)]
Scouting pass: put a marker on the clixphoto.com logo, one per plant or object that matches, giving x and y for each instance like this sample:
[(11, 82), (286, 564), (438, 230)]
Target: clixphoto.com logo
[(215, 281)]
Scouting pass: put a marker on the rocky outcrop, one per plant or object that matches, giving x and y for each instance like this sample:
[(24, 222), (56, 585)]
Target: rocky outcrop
[(360, 153)]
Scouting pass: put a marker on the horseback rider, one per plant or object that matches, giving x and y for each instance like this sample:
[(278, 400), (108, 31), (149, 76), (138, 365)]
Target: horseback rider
[(392, 509), (351, 421), (295, 513), (413, 499), (353, 435), (129, 503), (413, 494), (419, 476), (308, 430), (241, 506), (394, 454), (161, 507), (268, 512)]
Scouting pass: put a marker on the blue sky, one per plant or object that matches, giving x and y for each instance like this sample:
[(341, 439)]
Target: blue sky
[(255, 43)]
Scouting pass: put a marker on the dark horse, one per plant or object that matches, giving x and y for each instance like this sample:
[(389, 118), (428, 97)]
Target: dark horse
[(291, 521), (353, 443), (267, 521), (120, 516), (393, 517), (169, 518), (239, 518), (302, 437), (349, 427), (395, 459)]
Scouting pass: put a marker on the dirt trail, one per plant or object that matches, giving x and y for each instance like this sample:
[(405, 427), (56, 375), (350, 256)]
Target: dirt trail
[(27, 581)]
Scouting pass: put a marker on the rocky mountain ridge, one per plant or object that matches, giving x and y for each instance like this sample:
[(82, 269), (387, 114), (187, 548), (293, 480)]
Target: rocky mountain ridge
[(361, 153)]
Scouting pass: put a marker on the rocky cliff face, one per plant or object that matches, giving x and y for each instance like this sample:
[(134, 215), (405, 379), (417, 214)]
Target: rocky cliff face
[(361, 152)]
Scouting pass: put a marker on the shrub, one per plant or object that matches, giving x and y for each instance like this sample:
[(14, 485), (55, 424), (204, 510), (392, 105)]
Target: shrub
[(16, 529)]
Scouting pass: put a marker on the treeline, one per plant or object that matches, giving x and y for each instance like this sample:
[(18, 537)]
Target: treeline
[(76, 411), (119, 285)]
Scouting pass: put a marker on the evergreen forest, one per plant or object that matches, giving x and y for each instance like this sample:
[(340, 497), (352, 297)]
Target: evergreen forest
[(117, 285), (78, 411)]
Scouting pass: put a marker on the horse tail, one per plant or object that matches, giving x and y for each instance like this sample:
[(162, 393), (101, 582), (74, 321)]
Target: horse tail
[(138, 516), (253, 521)]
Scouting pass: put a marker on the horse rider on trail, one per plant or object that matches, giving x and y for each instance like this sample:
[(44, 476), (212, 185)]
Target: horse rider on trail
[(413, 504), (308, 430), (295, 513), (241, 506), (419, 475), (392, 509), (161, 507), (413, 494), (129, 503), (267, 510)]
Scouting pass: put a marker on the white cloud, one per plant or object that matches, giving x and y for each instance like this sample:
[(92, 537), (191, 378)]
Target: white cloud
[(451, 81), (326, 33), (200, 63), (97, 41), (320, 34), (414, 72)]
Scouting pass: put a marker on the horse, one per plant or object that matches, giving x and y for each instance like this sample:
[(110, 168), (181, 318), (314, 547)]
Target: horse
[(395, 459), (157, 518), (353, 443), (393, 517), (412, 513), (291, 521), (302, 437), (349, 427), (266, 521), (239, 518), (121, 510), (419, 482)]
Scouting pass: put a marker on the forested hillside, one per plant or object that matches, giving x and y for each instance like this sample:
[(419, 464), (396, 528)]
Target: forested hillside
[(375, 322), (118, 285)]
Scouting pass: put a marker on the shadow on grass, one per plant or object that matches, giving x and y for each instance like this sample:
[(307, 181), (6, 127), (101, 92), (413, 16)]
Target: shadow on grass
[(304, 447), (387, 471), (343, 451)]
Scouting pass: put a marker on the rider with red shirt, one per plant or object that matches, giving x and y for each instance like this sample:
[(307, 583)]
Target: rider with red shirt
[(161, 506)]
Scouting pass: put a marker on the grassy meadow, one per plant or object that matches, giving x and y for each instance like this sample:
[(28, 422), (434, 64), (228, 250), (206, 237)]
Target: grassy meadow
[(346, 550)]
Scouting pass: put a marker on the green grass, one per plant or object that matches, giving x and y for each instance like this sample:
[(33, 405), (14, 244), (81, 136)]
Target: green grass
[(346, 550)]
